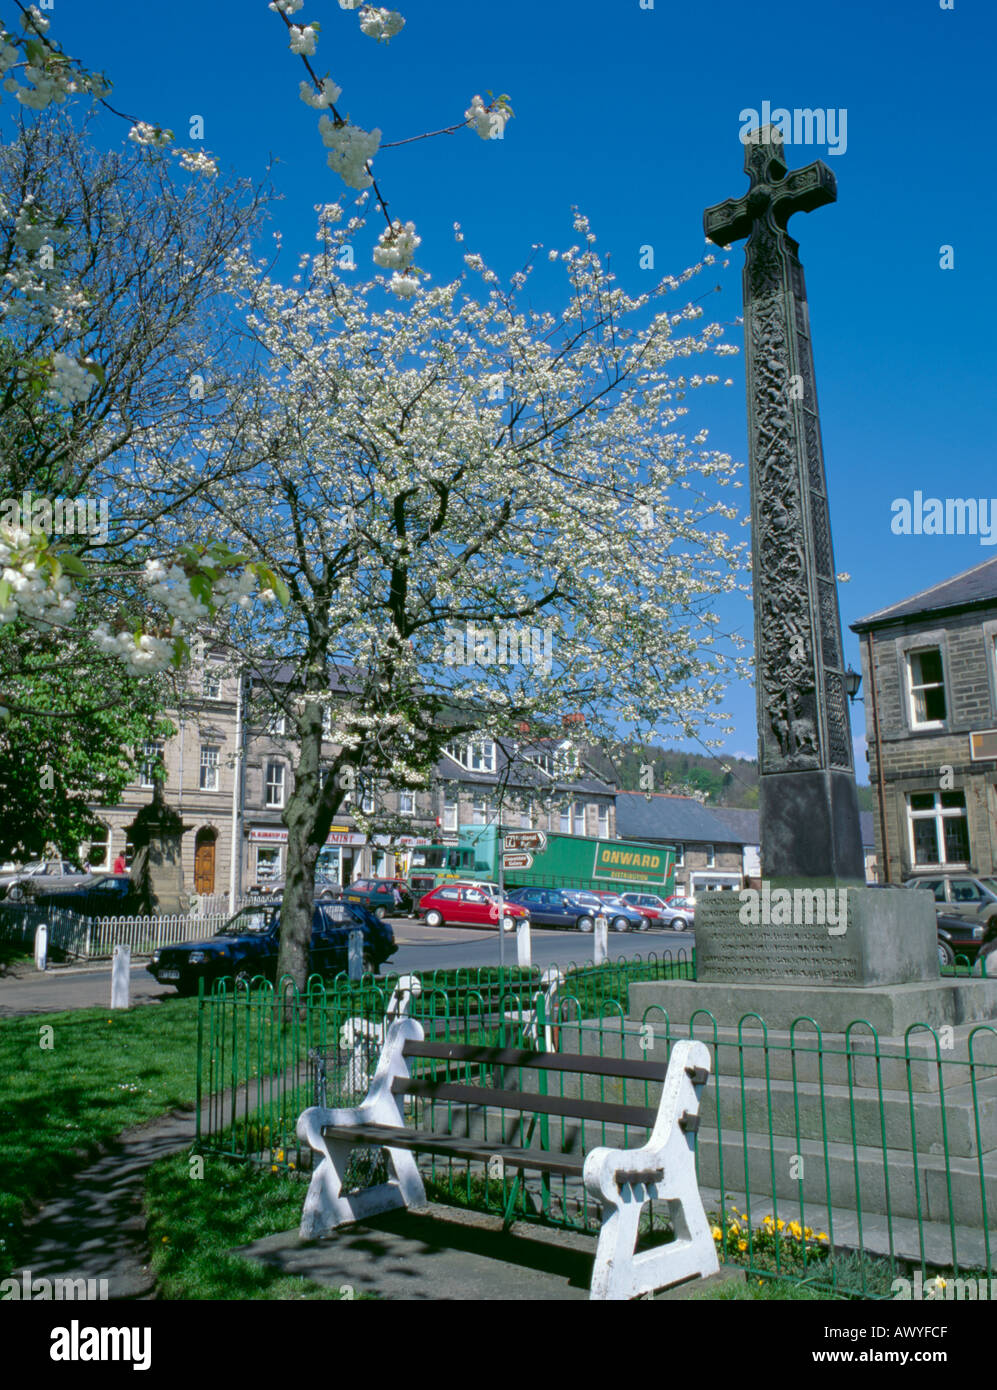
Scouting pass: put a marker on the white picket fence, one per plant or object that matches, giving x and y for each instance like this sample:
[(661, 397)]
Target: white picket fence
[(145, 934), (94, 938)]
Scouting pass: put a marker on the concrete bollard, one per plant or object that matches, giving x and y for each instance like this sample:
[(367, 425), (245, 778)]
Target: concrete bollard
[(524, 947), (600, 939), (41, 947), (121, 977), (355, 957)]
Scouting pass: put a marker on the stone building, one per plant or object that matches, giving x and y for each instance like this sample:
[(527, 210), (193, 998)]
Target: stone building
[(929, 666), (708, 852), (543, 783)]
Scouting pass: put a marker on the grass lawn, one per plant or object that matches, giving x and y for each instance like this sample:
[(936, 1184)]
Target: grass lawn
[(71, 1083), (194, 1222)]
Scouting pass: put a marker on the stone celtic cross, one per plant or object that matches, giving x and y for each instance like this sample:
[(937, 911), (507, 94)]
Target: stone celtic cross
[(809, 808)]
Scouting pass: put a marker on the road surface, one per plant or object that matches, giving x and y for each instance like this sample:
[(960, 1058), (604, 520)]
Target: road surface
[(419, 948)]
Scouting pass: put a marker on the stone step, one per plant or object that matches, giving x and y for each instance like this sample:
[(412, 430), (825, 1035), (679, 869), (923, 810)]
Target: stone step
[(919, 1063), (934, 1243), (860, 1177), (963, 1121)]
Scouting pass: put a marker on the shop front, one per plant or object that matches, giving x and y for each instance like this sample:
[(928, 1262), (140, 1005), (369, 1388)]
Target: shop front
[(392, 854), (340, 860)]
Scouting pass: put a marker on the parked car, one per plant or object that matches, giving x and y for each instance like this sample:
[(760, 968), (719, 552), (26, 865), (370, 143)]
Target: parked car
[(468, 904), (621, 916), (958, 937), (962, 895), (98, 895), (555, 907), (379, 895), (674, 913), (41, 874), (247, 946)]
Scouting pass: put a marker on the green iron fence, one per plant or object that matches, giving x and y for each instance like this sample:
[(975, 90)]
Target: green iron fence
[(847, 1162)]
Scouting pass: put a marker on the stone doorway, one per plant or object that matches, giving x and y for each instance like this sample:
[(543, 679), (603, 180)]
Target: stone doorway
[(204, 862)]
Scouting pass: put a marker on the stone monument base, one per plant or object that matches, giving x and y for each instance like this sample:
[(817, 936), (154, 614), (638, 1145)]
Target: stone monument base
[(833, 953), (890, 1010)]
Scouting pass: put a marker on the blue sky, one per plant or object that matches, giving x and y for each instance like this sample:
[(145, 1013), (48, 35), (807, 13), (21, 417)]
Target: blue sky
[(633, 114)]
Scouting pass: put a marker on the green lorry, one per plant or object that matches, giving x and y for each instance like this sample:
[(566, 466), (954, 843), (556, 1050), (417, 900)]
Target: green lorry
[(565, 861)]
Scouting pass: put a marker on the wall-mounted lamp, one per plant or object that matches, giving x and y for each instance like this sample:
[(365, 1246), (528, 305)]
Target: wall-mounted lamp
[(852, 682)]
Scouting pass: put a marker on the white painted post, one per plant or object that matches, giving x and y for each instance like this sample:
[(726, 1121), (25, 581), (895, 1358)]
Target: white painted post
[(355, 959), (524, 951), (600, 939), (121, 976), (41, 947)]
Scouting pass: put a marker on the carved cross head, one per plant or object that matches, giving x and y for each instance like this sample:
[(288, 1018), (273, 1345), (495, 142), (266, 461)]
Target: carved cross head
[(774, 192)]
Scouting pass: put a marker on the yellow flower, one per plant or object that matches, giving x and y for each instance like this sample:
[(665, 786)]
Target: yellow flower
[(808, 1233), (166, 1240), (273, 1167), (769, 1221), (290, 1165), (280, 1155), (716, 1233), (734, 1228), (742, 1245), (795, 1229), (779, 1225), (822, 1235)]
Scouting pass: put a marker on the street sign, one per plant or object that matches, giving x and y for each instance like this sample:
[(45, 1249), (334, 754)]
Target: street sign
[(534, 840), (516, 860)]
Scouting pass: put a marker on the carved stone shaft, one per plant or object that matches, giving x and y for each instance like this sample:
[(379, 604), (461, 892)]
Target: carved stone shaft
[(809, 808)]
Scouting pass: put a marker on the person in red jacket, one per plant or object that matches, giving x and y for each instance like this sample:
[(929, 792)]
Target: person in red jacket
[(119, 865)]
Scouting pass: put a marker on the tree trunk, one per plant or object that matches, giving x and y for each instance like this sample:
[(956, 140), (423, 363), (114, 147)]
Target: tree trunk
[(308, 815)]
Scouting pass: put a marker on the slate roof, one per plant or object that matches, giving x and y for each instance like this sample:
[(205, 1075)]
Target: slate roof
[(670, 818), (743, 824), (523, 775), (742, 821), (975, 586)]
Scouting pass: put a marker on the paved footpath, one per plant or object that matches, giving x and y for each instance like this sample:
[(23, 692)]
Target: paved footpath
[(95, 1228)]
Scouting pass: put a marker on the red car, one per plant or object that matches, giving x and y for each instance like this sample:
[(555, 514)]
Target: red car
[(468, 904)]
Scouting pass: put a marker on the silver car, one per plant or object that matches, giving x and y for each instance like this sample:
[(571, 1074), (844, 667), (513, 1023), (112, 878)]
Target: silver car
[(961, 895), (42, 875)]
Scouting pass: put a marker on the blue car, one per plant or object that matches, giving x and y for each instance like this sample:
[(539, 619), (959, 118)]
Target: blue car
[(568, 907), (248, 945)]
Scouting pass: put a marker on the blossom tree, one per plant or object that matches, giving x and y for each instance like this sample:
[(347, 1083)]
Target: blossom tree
[(37, 580), (433, 479), (110, 346)]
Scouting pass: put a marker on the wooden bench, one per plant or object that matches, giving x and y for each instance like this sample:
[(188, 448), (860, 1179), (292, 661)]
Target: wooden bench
[(620, 1180)]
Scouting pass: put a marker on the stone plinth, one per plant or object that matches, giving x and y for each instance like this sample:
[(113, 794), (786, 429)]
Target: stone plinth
[(889, 1009), (811, 934), (866, 953)]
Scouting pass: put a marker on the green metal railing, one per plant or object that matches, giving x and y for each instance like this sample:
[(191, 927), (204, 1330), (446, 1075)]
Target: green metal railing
[(846, 1162)]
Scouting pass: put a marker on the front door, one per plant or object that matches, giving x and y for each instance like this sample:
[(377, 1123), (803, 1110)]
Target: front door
[(204, 868)]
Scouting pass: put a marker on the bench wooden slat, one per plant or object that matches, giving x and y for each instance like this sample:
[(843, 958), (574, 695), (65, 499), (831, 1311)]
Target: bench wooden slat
[(570, 1107), (453, 1146), (545, 1061)]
